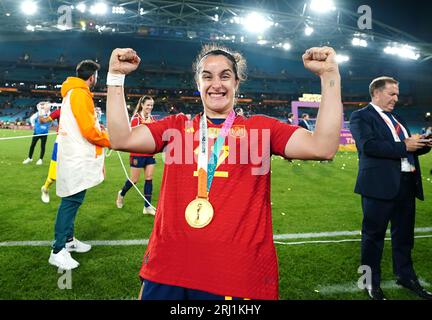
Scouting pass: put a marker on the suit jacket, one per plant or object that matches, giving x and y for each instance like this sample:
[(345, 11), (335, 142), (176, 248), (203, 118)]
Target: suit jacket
[(303, 124), (380, 156)]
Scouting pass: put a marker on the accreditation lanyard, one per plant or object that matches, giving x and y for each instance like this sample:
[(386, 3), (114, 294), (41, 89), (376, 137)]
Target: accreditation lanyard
[(392, 127), (410, 158), (206, 168)]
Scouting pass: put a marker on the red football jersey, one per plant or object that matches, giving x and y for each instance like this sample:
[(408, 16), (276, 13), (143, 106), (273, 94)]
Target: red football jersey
[(136, 121), (234, 255)]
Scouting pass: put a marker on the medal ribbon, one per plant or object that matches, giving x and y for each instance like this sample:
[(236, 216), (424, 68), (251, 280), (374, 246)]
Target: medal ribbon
[(206, 169)]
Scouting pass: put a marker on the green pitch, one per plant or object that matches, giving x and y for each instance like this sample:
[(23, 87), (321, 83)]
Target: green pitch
[(307, 197)]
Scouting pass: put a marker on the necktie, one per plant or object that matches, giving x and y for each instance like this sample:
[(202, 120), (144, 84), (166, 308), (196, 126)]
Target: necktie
[(401, 135)]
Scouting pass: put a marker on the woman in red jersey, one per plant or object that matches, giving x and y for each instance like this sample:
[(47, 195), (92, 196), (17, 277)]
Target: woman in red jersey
[(213, 236), (138, 161)]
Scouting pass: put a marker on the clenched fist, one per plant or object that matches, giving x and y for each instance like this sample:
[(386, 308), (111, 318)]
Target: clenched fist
[(320, 60), (123, 61)]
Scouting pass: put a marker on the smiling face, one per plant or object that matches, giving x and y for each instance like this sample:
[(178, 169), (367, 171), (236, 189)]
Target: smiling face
[(217, 84), (147, 107), (387, 97)]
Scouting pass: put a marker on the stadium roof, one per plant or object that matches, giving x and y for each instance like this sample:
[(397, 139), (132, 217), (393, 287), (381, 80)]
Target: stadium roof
[(228, 21)]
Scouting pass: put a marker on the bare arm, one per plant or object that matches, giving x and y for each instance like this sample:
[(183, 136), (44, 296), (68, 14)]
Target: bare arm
[(122, 136), (323, 143)]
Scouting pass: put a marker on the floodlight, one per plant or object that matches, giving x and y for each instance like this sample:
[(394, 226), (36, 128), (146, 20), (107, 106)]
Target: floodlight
[(403, 51), (256, 23), (359, 42), (29, 7), (118, 10), (81, 7), (341, 58), (322, 6), (308, 30), (408, 52), (237, 20), (286, 46), (99, 8)]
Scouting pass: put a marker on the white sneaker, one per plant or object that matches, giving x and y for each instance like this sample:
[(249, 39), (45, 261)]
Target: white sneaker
[(39, 162), (120, 200), (149, 210), (63, 260), (45, 195), (28, 160), (77, 246)]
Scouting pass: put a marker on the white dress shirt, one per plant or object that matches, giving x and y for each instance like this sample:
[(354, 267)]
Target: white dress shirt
[(405, 165)]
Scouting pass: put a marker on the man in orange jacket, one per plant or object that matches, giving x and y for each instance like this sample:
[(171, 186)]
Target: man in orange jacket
[(80, 159)]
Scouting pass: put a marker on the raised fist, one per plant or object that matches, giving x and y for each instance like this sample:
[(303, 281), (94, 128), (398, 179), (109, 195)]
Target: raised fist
[(320, 60), (123, 61)]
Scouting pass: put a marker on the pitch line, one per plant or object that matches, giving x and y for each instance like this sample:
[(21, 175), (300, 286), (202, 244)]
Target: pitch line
[(337, 241), (134, 242), (332, 234), (31, 136)]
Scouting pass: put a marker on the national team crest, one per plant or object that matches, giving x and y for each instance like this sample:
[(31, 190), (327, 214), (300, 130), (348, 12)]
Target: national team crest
[(238, 131)]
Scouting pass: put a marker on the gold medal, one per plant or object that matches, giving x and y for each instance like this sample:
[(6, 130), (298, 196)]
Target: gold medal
[(199, 213)]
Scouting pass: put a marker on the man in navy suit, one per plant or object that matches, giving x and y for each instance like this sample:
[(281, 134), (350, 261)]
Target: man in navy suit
[(388, 180), (304, 122)]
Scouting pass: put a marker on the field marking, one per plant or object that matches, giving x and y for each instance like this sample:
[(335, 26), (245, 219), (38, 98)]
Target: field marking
[(351, 287), (332, 234), (337, 241), (92, 242), (33, 135), (134, 242)]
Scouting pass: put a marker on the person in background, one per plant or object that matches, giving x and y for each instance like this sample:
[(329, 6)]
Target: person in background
[(138, 161), (80, 160), (290, 118), (304, 122), (389, 181), (40, 132), (52, 171)]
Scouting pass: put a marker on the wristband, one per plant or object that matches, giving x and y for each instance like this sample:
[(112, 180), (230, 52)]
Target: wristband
[(115, 79)]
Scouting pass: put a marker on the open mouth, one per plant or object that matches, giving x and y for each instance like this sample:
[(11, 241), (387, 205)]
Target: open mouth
[(217, 94)]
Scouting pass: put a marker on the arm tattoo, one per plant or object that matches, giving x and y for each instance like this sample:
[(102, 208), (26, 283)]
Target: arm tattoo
[(332, 83)]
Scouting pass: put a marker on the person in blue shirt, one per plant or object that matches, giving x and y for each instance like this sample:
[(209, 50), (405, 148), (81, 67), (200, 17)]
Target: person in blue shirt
[(40, 131)]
